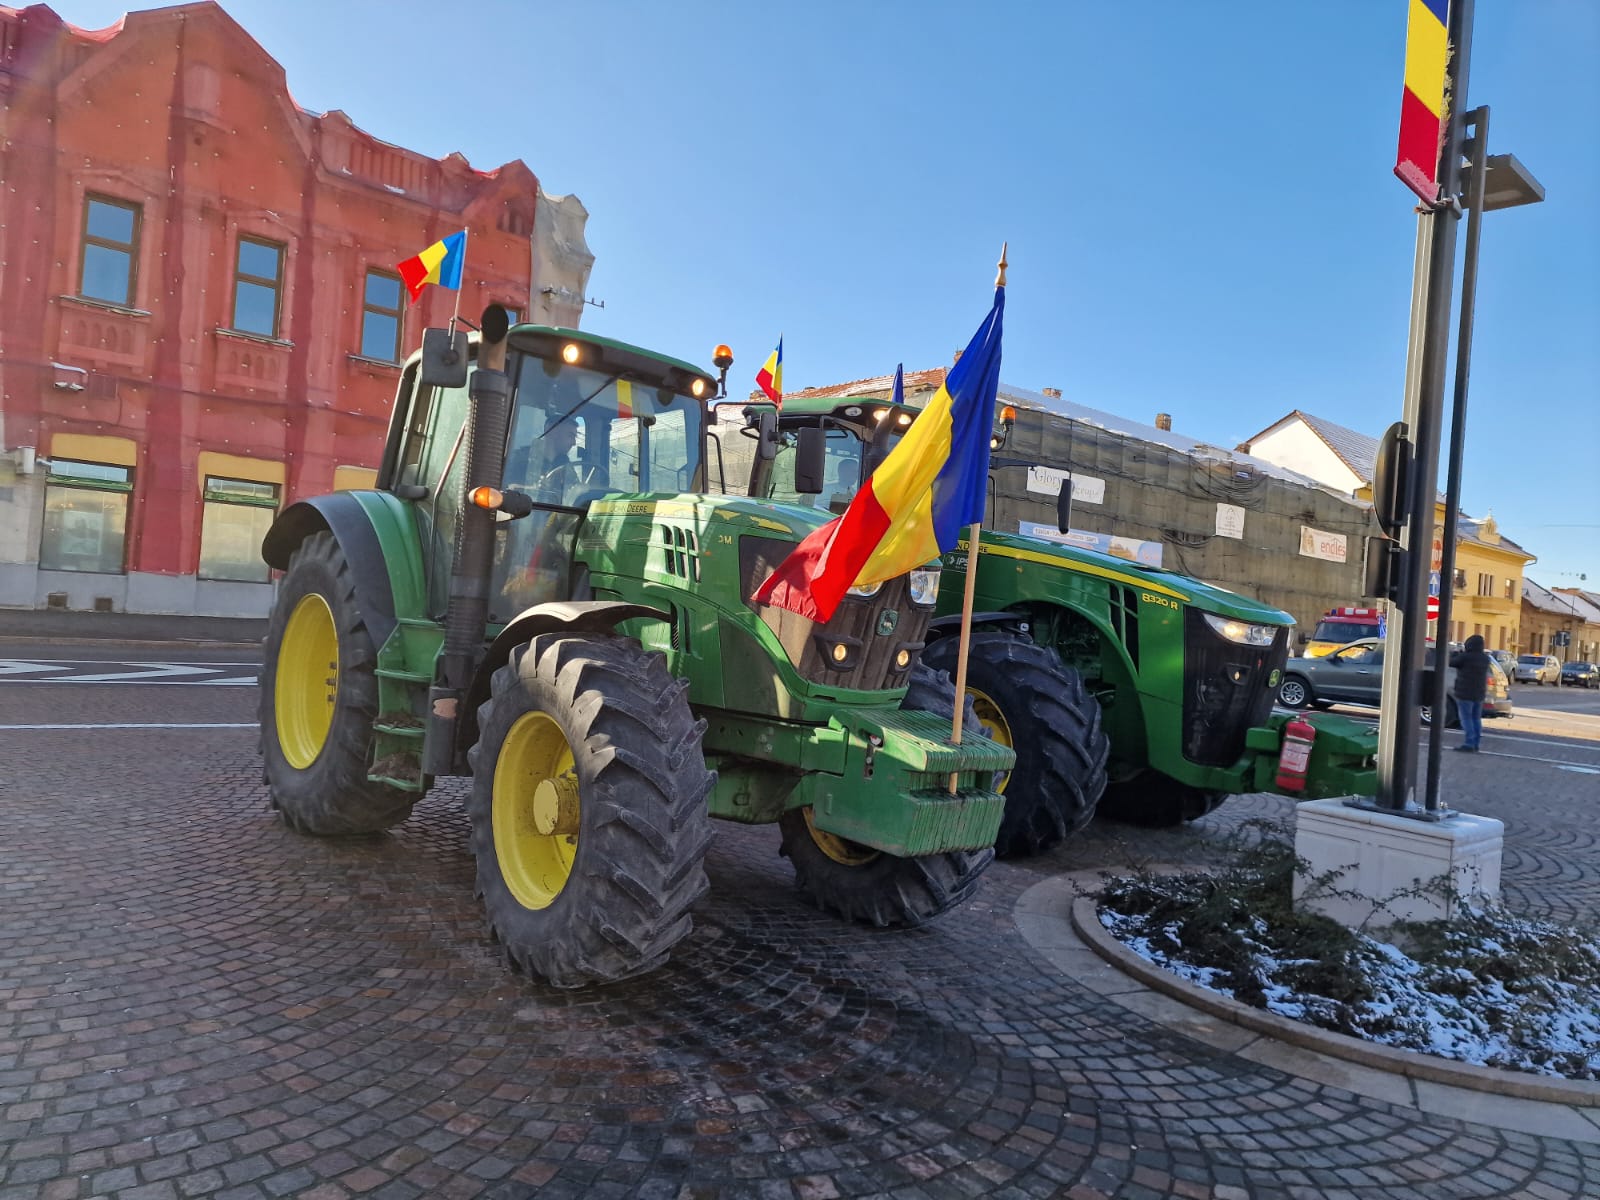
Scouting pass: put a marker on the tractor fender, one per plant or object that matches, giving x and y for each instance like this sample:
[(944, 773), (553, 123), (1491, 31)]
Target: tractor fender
[(567, 616), (950, 626), (375, 534)]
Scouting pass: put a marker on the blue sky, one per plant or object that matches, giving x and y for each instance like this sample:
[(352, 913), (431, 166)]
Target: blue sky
[(1198, 197)]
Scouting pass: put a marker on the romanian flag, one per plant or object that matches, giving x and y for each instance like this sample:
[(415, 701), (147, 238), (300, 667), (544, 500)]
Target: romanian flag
[(770, 378), (440, 263), (917, 503), (1423, 110)]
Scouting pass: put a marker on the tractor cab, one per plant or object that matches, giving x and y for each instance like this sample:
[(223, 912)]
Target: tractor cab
[(586, 418)]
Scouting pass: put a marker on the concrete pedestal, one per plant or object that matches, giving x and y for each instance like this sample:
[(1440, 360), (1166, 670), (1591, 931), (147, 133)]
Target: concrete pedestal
[(1379, 855)]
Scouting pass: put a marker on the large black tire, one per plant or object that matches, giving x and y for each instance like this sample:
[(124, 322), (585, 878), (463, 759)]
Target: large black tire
[(1157, 801), (316, 743), (930, 690), (1028, 699), (859, 883), (605, 893)]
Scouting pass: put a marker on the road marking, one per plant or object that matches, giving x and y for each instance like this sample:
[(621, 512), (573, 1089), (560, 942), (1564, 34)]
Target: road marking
[(24, 668), (1554, 762), (88, 670), (157, 671), (146, 725), (1578, 770)]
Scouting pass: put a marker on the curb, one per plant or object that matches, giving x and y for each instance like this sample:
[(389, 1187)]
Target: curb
[(1577, 1093)]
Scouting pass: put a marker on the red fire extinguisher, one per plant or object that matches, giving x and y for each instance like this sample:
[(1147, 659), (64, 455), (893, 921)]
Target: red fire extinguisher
[(1298, 738)]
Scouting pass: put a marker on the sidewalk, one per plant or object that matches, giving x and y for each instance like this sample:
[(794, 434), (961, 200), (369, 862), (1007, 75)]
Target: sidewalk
[(59, 624), (1056, 916)]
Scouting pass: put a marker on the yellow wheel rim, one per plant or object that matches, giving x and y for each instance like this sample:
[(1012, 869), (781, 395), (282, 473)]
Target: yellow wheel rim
[(995, 727), (841, 850), (535, 810), (307, 684)]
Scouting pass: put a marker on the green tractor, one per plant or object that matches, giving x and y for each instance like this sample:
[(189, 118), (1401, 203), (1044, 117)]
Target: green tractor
[(539, 591), (1123, 688)]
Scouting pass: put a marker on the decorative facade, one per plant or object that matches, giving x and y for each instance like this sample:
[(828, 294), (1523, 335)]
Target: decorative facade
[(200, 317)]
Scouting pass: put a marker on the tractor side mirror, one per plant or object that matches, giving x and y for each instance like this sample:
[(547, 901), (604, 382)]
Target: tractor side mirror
[(766, 434), (444, 358), (1064, 507), (809, 460)]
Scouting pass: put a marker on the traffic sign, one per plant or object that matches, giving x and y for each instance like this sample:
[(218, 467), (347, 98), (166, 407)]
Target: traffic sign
[(1433, 608), (1433, 585)]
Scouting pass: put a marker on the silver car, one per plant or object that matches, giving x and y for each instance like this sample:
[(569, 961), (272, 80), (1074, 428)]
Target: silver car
[(1537, 668), (1353, 674)]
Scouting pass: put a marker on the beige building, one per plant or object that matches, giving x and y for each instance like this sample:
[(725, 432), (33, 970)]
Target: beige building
[(1486, 598), (1546, 613)]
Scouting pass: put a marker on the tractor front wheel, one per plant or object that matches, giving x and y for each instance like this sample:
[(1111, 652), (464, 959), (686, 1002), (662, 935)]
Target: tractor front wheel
[(588, 809), (1028, 699), (859, 883), (318, 699)]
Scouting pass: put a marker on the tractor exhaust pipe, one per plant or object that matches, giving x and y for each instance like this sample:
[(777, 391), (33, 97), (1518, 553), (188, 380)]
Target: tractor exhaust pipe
[(467, 609)]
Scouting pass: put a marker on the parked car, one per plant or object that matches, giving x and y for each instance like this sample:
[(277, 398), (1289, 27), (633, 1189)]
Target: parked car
[(1537, 668), (1580, 674), (1497, 702), (1506, 659), (1353, 674)]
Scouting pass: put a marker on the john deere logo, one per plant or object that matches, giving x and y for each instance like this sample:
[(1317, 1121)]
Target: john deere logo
[(887, 620), (1272, 680)]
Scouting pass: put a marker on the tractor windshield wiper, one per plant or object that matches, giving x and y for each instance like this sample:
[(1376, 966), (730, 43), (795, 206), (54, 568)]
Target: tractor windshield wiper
[(604, 384)]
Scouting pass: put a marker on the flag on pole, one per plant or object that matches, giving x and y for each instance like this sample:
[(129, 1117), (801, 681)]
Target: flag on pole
[(1423, 104), (440, 264), (770, 378), (919, 500)]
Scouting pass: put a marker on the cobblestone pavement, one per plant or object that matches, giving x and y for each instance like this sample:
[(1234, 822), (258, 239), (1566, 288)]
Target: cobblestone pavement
[(196, 1002)]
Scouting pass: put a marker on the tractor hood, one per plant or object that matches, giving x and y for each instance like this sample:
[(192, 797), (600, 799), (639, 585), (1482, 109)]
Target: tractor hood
[(1201, 595), (763, 516)]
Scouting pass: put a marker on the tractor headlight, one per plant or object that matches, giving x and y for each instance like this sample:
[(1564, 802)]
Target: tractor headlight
[(924, 586), (867, 590), (1242, 632)]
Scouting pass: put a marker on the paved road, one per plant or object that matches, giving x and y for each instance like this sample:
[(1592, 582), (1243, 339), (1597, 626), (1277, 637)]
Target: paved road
[(196, 1002)]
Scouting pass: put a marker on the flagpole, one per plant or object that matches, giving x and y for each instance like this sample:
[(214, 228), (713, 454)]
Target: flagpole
[(973, 532)]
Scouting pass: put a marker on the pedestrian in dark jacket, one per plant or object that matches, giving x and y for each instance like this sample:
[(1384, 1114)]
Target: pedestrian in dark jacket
[(1470, 690)]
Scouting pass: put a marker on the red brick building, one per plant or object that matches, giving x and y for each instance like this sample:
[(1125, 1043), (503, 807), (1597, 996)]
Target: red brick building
[(200, 319)]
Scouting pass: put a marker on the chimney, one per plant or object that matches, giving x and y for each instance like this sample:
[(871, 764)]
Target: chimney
[(957, 358), (1164, 421), (1053, 393)]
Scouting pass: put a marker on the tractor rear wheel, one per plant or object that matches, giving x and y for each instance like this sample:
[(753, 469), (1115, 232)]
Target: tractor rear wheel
[(1157, 801), (318, 699), (588, 809), (862, 884), (1028, 699)]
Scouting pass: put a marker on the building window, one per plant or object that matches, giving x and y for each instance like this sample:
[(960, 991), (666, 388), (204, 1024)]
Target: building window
[(257, 287), (110, 250), (1461, 579), (85, 517), (1485, 584), (1511, 585), (237, 515), (382, 310)]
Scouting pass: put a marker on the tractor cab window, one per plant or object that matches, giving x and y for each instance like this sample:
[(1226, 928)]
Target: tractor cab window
[(432, 459), (841, 473), (578, 435)]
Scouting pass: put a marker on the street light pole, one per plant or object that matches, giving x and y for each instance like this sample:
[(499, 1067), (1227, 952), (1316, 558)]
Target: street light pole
[(1399, 725), (1478, 118)]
